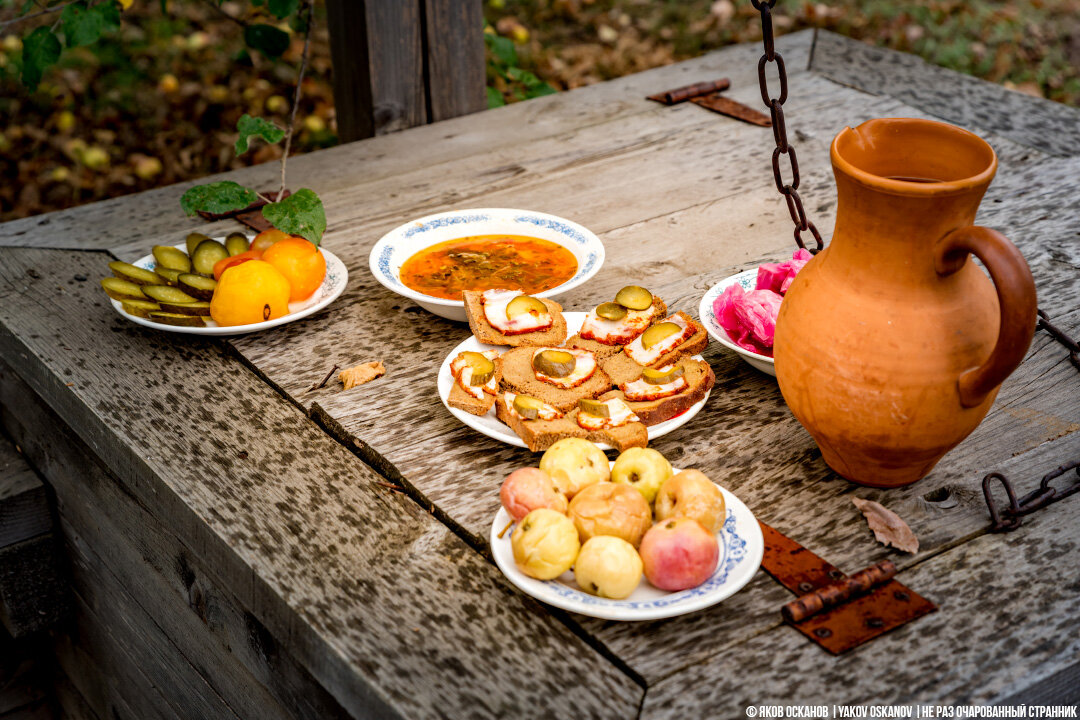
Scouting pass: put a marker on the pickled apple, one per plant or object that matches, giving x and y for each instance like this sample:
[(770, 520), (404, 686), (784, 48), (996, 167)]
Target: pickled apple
[(609, 567), (611, 509), (545, 544)]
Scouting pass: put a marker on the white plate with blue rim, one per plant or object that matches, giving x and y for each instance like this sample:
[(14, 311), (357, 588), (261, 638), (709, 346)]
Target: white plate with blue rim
[(741, 549), (404, 241), (337, 277), (748, 280)]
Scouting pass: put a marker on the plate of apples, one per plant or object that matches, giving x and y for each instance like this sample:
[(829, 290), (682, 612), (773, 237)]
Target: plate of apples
[(632, 539)]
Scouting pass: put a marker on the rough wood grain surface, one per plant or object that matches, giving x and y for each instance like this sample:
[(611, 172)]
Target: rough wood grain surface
[(382, 604), (454, 57)]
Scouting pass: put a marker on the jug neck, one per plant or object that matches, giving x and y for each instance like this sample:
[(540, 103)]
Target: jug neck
[(887, 221)]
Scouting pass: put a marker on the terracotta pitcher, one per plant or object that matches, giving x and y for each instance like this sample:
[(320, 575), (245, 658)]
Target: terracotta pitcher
[(891, 343)]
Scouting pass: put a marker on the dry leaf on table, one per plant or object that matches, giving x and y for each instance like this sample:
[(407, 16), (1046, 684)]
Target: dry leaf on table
[(360, 374), (888, 528)]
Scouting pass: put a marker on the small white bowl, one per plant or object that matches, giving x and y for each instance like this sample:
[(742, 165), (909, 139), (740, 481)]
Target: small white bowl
[(401, 243), (748, 280)]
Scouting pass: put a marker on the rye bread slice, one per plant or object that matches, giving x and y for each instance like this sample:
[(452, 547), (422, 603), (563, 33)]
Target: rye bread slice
[(462, 400), (700, 379), (603, 351), (485, 333), (621, 369), (539, 435), (518, 377)]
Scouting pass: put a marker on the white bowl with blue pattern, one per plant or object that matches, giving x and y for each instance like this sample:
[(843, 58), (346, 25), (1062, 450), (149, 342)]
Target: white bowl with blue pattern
[(741, 549), (748, 280), (401, 243)]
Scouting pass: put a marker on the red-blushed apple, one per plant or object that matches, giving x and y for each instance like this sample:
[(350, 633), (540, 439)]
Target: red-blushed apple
[(678, 554), (643, 469), (610, 509), (691, 494), (528, 489), (608, 567), (575, 463), (545, 544)]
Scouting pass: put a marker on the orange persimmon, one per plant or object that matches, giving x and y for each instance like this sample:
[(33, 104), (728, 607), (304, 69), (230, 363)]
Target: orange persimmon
[(221, 265), (301, 263), (250, 292)]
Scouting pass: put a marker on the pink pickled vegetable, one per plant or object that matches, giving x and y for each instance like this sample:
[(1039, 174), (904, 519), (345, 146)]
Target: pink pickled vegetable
[(778, 276), (749, 317)]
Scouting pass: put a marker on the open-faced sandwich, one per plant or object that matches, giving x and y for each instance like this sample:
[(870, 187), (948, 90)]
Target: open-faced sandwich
[(510, 317), (545, 390)]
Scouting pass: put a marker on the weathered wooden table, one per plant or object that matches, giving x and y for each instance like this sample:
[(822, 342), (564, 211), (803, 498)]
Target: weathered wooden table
[(234, 551)]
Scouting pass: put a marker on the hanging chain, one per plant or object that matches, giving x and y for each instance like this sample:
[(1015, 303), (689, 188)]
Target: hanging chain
[(790, 190)]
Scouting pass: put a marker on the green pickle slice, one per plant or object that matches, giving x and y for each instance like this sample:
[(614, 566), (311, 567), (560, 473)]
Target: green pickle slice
[(165, 293), (133, 274), (661, 377), (527, 407), (236, 243), (611, 311), (177, 319), (594, 407), (122, 290), (193, 241), (524, 304), (554, 363), (657, 333), (139, 308), (634, 297), (483, 369), (171, 258), (207, 255), (197, 285)]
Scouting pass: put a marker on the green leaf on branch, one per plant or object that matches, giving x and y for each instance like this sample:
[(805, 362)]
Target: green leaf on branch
[(217, 198), (494, 98), (502, 48), (259, 127), (41, 48), (299, 214), (85, 25), (282, 8), (267, 39)]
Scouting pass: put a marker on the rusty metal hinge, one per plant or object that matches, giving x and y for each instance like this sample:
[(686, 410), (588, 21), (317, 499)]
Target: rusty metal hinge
[(837, 611)]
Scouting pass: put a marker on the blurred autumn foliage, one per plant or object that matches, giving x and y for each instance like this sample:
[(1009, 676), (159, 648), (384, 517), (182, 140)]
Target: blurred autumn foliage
[(157, 101), (153, 103)]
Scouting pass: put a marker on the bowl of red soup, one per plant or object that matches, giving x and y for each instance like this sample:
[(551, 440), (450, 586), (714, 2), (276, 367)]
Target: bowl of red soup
[(434, 259)]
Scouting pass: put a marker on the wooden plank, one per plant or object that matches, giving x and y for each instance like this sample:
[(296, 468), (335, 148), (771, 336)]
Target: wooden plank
[(334, 568), (24, 505), (24, 678), (70, 702), (454, 57), (235, 654), (114, 222), (1048, 126), (991, 638)]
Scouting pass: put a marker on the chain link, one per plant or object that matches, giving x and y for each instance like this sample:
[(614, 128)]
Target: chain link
[(1011, 516), (789, 190)]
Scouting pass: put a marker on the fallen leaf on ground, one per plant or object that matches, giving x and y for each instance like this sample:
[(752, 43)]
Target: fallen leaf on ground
[(888, 528), (360, 374)]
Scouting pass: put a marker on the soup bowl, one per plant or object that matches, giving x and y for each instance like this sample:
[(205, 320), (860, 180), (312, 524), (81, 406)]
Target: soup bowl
[(401, 243)]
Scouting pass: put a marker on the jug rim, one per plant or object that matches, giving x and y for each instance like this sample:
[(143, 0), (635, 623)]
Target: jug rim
[(922, 188)]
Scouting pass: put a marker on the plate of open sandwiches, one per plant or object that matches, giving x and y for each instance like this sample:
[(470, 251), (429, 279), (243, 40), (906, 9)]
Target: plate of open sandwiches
[(624, 373)]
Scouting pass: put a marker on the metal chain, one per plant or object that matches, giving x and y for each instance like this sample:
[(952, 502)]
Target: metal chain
[(1058, 334), (1010, 518), (789, 190)]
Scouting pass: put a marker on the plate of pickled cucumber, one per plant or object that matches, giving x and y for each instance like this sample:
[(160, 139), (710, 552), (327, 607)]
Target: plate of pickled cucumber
[(174, 287)]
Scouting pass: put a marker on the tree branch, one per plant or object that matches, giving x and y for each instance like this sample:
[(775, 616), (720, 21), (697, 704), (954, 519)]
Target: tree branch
[(309, 5), (222, 12), (31, 16)]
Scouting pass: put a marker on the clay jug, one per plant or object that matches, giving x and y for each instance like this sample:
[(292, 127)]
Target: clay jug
[(891, 343)]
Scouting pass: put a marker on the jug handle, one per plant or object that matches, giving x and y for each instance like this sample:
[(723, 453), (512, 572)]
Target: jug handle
[(1016, 298)]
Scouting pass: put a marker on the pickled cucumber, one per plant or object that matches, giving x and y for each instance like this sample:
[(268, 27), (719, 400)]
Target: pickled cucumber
[(594, 407), (527, 407), (237, 243), (167, 318), (611, 311), (524, 304), (131, 273), (193, 241), (197, 285), (140, 308), (634, 297), (554, 363), (207, 255), (169, 275), (166, 294), (171, 258), (657, 333), (199, 307), (662, 377), (122, 290), (483, 369)]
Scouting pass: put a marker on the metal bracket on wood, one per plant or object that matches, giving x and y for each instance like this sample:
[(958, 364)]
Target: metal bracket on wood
[(837, 611)]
